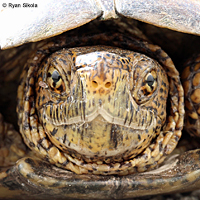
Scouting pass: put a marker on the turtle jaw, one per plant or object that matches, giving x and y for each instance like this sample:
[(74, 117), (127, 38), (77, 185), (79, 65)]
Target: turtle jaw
[(100, 140), (132, 116)]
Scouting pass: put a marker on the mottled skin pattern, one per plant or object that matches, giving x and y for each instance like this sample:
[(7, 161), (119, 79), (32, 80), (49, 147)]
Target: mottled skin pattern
[(191, 83), (45, 102), (107, 110)]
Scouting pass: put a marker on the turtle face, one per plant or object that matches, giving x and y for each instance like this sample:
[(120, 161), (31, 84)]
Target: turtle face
[(101, 103)]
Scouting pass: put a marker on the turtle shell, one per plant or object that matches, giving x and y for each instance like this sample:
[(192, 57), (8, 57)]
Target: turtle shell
[(37, 180), (175, 15)]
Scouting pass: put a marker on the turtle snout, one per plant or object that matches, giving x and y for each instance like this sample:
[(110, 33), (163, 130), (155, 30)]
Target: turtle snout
[(98, 81), (99, 85)]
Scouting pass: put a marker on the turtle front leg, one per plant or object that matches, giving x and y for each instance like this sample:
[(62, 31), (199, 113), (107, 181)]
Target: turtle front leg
[(12, 147)]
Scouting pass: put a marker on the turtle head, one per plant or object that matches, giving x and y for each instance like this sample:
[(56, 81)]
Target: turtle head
[(101, 105)]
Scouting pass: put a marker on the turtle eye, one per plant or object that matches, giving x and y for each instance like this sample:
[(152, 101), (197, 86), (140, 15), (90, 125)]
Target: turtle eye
[(150, 80), (149, 84), (145, 89), (55, 76), (55, 80)]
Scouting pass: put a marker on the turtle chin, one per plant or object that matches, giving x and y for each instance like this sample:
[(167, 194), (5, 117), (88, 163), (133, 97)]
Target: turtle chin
[(100, 140)]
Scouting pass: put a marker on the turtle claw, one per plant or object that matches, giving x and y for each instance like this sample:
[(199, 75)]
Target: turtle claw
[(37, 179)]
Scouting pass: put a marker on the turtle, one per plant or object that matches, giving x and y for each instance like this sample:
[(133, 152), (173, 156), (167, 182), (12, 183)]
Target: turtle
[(100, 106)]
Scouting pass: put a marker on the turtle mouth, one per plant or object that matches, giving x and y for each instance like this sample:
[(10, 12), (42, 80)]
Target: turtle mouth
[(133, 118)]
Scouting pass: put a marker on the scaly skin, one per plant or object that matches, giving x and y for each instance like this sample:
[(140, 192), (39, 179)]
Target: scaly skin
[(103, 114), (191, 83), (45, 131)]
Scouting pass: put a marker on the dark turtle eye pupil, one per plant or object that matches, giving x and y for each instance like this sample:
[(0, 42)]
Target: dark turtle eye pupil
[(150, 80), (55, 76)]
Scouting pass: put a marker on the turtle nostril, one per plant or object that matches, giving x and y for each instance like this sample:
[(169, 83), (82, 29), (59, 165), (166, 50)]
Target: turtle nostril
[(108, 84), (94, 84)]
